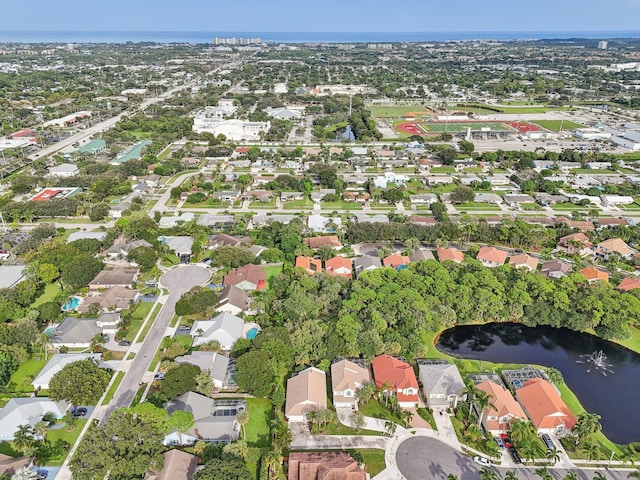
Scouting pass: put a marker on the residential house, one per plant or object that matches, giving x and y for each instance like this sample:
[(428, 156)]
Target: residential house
[(555, 269), (233, 300), (122, 248), (616, 200), (247, 277), (612, 222), (491, 257), (114, 277), (576, 243), (224, 329), (215, 363), (216, 221), (181, 246), (317, 196), (264, 196), (64, 170), (442, 383), (377, 218), (421, 254), (338, 267), (76, 332), (347, 378), (434, 180), (224, 240), (397, 377), (112, 299), (310, 265), (324, 466), (57, 362), (321, 224), (291, 196), (11, 275), (544, 407), (517, 200), (306, 392), (226, 195), (423, 199), (366, 263), (547, 199), (75, 236), (357, 197), (614, 245), (487, 198), (174, 221), (420, 220), (450, 254), (261, 220), (505, 410), (524, 261), (396, 261), (582, 225), (214, 420), (628, 284), (317, 242), (27, 411), (177, 465), (593, 274)]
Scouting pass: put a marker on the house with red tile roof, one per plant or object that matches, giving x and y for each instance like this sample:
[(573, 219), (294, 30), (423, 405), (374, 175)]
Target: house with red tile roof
[(248, 277), (317, 242), (524, 261), (395, 260), (628, 284), (397, 377), (338, 267), (582, 225), (310, 265), (576, 243), (505, 410), (324, 466), (491, 257), (592, 274), (451, 254), (544, 407)]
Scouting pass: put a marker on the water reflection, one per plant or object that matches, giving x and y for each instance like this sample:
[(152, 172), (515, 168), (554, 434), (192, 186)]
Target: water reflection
[(616, 396)]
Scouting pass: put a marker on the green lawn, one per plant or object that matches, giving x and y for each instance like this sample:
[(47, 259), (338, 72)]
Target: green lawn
[(62, 434), (476, 206), (442, 170), (428, 416), (258, 204), (137, 318), (341, 206), (397, 110), (554, 125), (260, 416), (373, 459), (152, 319), (633, 342), (272, 272), (298, 204), (7, 449), (51, 291), (114, 387), (21, 379), (376, 409), (569, 206)]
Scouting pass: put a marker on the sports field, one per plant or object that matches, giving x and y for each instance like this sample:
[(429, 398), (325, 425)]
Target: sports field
[(410, 128), (394, 111), (455, 127), (523, 127), (554, 125)]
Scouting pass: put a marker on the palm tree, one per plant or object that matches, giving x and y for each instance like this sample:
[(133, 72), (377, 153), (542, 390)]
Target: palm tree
[(592, 450), (406, 416), (511, 475), (599, 476), (519, 431), (628, 454), (553, 455), (390, 427), (543, 473), (41, 429), (570, 476), (451, 476), (242, 417), (488, 474), (482, 403), (635, 474), (23, 438), (272, 461)]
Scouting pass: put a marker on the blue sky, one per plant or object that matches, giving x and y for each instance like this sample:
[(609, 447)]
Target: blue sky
[(322, 15)]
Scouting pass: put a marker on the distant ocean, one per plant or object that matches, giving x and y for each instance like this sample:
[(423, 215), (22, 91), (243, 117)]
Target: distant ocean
[(9, 36)]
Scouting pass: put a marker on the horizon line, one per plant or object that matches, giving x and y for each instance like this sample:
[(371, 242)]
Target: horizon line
[(337, 31)]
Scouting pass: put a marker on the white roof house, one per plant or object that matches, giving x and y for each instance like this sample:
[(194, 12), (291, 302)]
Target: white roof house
[(225, 329), (86, 236), (441, 382), (56, 363), (169, 222), (64, 170), (215, 363), (27, 411), (11, 275)]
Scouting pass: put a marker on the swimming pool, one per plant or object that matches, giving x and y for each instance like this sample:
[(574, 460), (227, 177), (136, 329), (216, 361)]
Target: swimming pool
[(71, 304), (50, 332), (251, 333)]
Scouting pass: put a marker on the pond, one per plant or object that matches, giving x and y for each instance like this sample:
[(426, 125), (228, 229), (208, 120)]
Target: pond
[(612, 392)]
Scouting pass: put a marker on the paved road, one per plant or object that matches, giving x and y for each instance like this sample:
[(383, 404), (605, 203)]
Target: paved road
[(424, 458), (178, 281)]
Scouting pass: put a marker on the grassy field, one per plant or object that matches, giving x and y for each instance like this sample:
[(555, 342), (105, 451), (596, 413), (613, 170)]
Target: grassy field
[(260, 415), (137, 318), (114, 387), (272, 271), (341, 206), (476, 206), (7, 449), (397, 110), (443, 170), (22, 377), (62, 434), (442, 127), (258, 204), (298, 204), (554, 125), (152, 319), (378, 410), (373, 459), (569, 206)]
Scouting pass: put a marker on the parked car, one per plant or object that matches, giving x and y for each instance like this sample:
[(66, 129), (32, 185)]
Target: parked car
[(515, 455), (79, 412), (498, 442), (506, 440), (548, 442), (159, 376), (485, 462), (184, 327), (41, 474), (124, 343)]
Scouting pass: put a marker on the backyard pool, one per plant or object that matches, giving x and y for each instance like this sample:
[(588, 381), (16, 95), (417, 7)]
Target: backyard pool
[(251, 333), (71, 304)]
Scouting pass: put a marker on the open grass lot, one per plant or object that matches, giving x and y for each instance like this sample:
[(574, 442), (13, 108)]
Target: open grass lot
[(442, 127), (297, 204), (258, 204), (373, 459), (629, 157), (443, 170), (632, 206), (260, 416), (341, 205), (21, 379), (377, 409), (476, 206), (569, 206), (272, 271), (522, 108), (137, 318), (554, 125), (340, 429), (387, 111)]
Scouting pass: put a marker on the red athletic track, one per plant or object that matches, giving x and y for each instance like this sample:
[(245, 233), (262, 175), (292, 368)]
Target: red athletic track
[(410, 128), (523, 127)]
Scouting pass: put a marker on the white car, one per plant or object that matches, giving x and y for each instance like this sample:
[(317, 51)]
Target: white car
[(482, 461)]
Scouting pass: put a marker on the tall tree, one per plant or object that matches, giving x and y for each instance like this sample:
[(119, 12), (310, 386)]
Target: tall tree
[(80, 383)]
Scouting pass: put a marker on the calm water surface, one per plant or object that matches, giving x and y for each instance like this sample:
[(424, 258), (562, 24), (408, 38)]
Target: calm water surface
[(615, 397)]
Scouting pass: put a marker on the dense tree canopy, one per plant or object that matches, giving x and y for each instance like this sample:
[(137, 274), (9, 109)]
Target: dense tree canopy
[(80, 383)]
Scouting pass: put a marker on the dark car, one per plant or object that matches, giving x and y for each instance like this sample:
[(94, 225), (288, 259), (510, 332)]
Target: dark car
[(515, 455), (124, 343), (79, 412), (498, 442), (548, 442), (41, 474)]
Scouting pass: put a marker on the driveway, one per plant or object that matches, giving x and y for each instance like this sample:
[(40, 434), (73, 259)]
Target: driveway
[(178, 280)]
